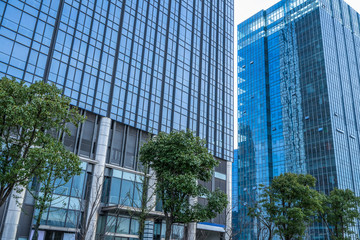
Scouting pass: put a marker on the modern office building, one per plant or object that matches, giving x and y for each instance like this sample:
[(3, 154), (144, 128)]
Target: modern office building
[(298, 98), (134, 68)]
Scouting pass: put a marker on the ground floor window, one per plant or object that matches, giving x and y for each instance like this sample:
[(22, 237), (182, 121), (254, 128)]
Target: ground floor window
[(177, 232), (53, 235), (112, 227)]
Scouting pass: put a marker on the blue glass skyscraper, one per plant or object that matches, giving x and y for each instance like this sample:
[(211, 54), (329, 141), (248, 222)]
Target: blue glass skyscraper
[(298, 98), (133, 67)]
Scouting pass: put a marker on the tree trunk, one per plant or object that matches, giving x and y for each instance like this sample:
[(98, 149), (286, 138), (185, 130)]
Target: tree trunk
[(258, 233), (270, 234), (168, 228), (336, 231), (82, 234), (141, 230), (342, 227), (4, 194), (142, 220), (42, 205), (144, 201), (82, 222), (37, 225)]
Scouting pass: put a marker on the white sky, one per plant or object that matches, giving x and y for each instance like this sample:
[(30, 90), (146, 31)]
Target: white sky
[(243, 9)]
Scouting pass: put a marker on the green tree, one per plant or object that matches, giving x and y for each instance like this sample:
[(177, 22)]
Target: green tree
[(291, 204), (60, 166), (340, 212), (28, 116), (179, 160)]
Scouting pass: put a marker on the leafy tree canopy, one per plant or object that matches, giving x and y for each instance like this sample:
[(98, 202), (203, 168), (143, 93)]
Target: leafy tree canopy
[(60, 166), (29, 114), (340, 213), (179, 160), (291, 204)]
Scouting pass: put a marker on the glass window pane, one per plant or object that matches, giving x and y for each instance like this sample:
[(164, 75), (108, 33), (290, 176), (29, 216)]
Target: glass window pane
[(73, 218), (134, 227), (117, 173), (78, 185), (114, 190), (117, 142), (75, 203), (5, 49), (123, 225), (129, 176), (43, 217), (137, 195), (130, 149), (110, 224), (87, 135), (105, 191), (60, 201), (127, 189), (69, 141), (177, 232), (69, 236), (64, 188), (56, 217)]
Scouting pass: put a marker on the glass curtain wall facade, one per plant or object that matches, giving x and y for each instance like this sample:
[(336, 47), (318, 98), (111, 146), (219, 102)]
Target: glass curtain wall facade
[(298, 99), (134, 68)]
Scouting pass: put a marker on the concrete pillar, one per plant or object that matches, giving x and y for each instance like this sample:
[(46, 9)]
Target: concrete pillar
[(98, 176), (191, 227), (191, 231), (228, 227), (13, 216)]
